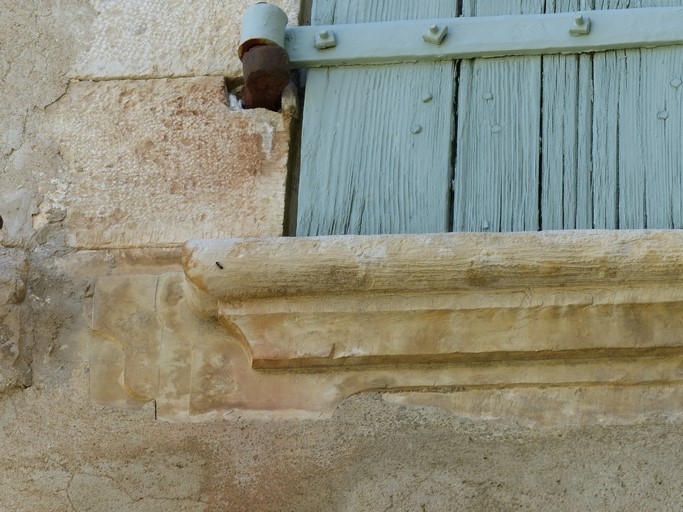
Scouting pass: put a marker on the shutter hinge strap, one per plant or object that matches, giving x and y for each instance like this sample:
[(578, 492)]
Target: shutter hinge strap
[(467, 37)]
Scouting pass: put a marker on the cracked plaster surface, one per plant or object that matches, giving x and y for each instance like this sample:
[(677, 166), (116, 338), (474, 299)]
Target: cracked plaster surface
[(60, 452), (38, 46), (14, 370), (370, 455)]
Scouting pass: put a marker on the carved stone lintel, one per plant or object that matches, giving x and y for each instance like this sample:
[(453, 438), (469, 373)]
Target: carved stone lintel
[(304, 323), (451, 298)]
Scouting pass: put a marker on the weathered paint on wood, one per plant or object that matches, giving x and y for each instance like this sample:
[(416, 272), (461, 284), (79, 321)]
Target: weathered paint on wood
[(497, 163), (638, 128), (375, 154), (566, 195), (552, 142), (611, 145), (605, 140), (637, 133), (471, 37), (610, 128)]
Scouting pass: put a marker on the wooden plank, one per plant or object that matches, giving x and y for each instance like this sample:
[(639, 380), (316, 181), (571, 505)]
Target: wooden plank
[(331, 12), (638, 130), (566, 196), (629, 158), (497, 164), (583, 211), (650, 139), (375, 152), (606, 69)]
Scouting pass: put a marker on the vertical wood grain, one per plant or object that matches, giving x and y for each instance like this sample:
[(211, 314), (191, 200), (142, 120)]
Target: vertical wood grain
[(552, 142), (638, 133), (375, 152), (566, 131), (606, 71), (497, 143)]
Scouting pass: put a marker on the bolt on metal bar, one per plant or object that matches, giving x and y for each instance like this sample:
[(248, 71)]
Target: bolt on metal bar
[(494, 36)]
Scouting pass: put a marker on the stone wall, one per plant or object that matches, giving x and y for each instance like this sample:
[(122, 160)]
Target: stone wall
[(119, 141)]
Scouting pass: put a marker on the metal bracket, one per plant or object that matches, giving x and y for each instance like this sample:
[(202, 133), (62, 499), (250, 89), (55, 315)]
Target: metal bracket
[(493, 36), (580, 25), (325, 39), (435, 34)]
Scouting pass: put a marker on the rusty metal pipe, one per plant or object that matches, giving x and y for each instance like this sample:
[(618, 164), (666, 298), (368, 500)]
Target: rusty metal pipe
[(264, 60), (266, 74)]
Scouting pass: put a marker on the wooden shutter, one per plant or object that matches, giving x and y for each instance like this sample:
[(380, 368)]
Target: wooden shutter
[(501, 144)]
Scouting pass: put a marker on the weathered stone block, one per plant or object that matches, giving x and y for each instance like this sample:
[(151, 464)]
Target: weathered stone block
[(157, 162), (13, 270), (125, 310), (10, 331), (17, 209), (147, 343), (157, 38)]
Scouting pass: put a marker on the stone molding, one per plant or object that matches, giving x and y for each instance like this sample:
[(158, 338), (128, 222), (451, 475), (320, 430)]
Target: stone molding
[(312, 303), (290, 327)]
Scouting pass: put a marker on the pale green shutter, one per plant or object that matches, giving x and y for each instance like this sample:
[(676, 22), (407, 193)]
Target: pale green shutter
[(502, 144)]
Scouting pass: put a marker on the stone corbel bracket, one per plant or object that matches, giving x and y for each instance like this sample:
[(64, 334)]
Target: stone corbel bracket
[(458, 309)]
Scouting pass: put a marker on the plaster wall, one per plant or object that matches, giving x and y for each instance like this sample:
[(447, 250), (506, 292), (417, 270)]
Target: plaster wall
[(118, 142)]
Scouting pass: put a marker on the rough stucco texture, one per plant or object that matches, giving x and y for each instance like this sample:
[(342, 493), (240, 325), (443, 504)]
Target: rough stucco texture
[(371, 456), (39, 41), (158, 162), (160, 38), (13, 270), (60, 452)]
